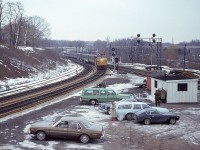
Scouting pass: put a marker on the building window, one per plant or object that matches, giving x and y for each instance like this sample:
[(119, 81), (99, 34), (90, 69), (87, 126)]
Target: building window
[(182, 86), (155, 84)]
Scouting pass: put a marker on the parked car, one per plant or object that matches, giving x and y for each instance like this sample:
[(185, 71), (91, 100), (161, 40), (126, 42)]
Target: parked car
[(153, 115), (106, 107), (99, 95), (126, 110), (67, 127), (142, 84)]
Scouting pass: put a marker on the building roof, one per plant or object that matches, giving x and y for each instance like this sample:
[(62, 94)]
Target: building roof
[(171, 77)]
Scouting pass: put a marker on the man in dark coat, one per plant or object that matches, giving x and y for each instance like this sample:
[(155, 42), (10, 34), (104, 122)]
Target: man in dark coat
[(157, 98)]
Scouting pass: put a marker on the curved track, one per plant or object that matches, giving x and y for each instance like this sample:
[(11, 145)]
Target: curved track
[(23, 100), (36, 84)]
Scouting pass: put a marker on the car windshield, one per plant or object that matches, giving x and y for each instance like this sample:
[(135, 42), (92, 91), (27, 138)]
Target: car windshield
[(86, 124)]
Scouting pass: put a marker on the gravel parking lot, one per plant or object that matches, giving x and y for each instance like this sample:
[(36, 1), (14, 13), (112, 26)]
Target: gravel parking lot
[(126, 135)]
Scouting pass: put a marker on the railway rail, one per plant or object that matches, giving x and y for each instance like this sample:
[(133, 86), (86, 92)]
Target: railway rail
[(22, 100), (132, 70), (34, 85)]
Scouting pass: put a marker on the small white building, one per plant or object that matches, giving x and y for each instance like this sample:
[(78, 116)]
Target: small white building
[(178, 89)]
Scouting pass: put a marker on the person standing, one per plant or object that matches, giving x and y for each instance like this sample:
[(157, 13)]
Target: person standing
[(157, 98)]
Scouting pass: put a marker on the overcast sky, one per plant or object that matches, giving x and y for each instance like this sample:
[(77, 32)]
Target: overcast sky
[(97, 19)]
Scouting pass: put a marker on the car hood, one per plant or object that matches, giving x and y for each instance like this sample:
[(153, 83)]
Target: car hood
[(42, 124)]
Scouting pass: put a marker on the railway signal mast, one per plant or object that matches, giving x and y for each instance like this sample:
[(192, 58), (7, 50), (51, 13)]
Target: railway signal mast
[(152, 42), (113, 57)]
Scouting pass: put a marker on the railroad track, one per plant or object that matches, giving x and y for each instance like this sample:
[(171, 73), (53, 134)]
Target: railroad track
[(132, 70), (34, 85), (27, 99)]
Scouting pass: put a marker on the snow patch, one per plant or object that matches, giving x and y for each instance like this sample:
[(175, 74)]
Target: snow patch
[(2, 46), (24, 48)]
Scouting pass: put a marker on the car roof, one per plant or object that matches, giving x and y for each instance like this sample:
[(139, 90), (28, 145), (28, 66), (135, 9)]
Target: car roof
[(121, 103), (98, 89), (72, 119), (160, 109)]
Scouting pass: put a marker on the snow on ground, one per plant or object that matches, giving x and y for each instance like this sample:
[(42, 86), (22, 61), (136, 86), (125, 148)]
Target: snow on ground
[(13, 83), (134, 65), (25, 48), (92, 114), (2, 46)]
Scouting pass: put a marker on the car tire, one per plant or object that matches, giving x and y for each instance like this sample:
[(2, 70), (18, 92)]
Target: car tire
[(143, 86), (129, 117), (41, 135), (172, 121), (147, 121), (93, 102), (84, 138)]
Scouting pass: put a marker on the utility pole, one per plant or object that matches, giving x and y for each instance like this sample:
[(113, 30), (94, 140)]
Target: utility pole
[(184, 57)]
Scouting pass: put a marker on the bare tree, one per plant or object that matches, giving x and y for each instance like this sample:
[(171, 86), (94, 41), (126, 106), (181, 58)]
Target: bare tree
[(36, 29), (2, 17), (18, 22), (21, 30), (10, 17)]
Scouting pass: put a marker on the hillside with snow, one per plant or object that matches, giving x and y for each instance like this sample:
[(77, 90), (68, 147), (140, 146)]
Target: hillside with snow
[(27, 62)]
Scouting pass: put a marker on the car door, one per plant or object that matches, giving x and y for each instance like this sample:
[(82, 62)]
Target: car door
[(102, 95), (122, 110), (136, 108), (111, 96), (155, 116), (74, 130), (59, 131)]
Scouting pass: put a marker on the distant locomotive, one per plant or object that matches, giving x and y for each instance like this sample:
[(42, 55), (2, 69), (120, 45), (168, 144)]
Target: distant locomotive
[(101, 63)]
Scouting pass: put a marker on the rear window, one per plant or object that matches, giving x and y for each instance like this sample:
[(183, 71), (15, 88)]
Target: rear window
[(87, 124), (127, 106)]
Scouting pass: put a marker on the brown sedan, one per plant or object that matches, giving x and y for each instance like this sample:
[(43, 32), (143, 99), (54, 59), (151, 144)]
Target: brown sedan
[(67, 127)]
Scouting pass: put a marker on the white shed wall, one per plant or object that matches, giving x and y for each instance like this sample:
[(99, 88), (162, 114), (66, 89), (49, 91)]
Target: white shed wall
[(175, 96)]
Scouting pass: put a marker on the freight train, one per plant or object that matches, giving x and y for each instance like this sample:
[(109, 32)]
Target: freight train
[(100, 61)]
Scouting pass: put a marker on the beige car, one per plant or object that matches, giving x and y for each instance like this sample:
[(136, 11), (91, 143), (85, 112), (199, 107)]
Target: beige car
[(68, 127)]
